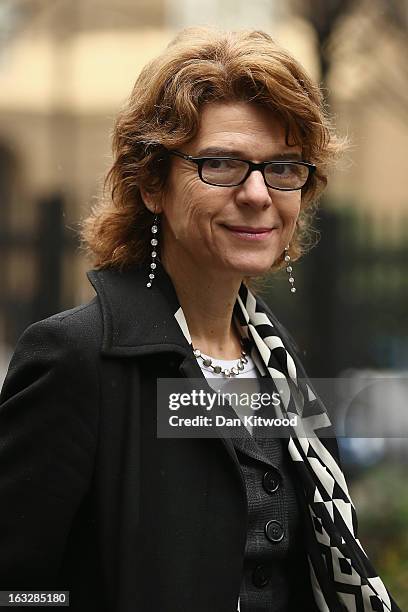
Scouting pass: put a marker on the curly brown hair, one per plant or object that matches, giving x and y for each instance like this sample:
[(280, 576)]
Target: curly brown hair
[(203, 65)]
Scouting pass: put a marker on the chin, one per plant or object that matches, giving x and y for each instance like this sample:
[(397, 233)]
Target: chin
[(248, 269)]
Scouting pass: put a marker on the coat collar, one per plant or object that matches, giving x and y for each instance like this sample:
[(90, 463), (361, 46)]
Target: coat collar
[(138, 320)]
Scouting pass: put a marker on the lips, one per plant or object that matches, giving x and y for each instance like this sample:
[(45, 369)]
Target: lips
[(249, 230), (250, 233)]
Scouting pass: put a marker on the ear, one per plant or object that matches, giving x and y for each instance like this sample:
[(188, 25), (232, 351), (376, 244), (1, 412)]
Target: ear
[(151, 200)]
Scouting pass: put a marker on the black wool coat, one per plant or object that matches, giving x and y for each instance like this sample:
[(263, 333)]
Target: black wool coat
[(91, 500)]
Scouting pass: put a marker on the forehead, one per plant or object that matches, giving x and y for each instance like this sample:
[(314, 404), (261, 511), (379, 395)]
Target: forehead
[(242, 128)]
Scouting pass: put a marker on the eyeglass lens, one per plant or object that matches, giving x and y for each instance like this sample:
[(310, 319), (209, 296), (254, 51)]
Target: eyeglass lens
[(230, 172)]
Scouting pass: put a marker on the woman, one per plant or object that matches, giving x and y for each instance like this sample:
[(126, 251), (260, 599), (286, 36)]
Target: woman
[(219, 156)]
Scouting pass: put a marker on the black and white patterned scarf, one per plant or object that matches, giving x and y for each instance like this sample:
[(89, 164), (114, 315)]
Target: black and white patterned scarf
[(342, 576)]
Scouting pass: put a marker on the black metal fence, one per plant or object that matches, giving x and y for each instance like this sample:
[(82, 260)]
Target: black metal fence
[(42, 264), (351, 305)]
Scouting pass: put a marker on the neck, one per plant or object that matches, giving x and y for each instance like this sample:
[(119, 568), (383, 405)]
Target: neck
[(207, 299)]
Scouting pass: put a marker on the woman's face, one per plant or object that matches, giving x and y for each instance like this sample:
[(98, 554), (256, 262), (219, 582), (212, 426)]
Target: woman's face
[(238, 231)]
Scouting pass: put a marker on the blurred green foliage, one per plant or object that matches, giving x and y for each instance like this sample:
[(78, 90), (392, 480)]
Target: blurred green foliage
[(380, 495)]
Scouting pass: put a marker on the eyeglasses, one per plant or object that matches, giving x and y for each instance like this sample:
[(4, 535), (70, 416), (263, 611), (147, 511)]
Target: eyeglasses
[(230, 171)]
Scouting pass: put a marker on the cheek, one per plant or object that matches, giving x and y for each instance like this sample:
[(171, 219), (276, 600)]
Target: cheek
[(186, 208), (293, 206), (290, 209), (296, 211)]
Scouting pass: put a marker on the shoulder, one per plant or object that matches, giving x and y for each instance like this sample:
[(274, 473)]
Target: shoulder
[(77, 327), (83, 321), (61, 347)]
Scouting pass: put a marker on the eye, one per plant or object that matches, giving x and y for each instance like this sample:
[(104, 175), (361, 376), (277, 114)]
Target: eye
[(221, 164), (282, 169), (286, 175)]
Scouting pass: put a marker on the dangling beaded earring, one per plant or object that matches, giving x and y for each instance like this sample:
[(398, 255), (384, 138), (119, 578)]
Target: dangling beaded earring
[(154, 242), (289, 270)]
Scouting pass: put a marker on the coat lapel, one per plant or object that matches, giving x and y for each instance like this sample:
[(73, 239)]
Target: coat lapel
[(136, 320)]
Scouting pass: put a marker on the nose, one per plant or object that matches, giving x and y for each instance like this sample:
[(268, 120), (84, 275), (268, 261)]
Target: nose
[(254, 192)]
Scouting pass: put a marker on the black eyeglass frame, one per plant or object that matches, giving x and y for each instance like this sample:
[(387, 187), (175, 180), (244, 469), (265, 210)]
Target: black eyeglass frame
[(199, 161)]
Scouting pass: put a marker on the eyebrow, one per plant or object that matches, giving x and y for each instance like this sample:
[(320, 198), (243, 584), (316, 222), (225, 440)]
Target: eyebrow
[(226, 152)]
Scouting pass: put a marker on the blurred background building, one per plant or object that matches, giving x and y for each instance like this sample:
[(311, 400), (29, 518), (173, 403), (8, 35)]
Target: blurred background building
[(66, 67)]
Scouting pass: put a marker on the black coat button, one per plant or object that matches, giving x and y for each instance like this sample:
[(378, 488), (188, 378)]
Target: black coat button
[(274, 531), (271, 481), (260, 577)]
